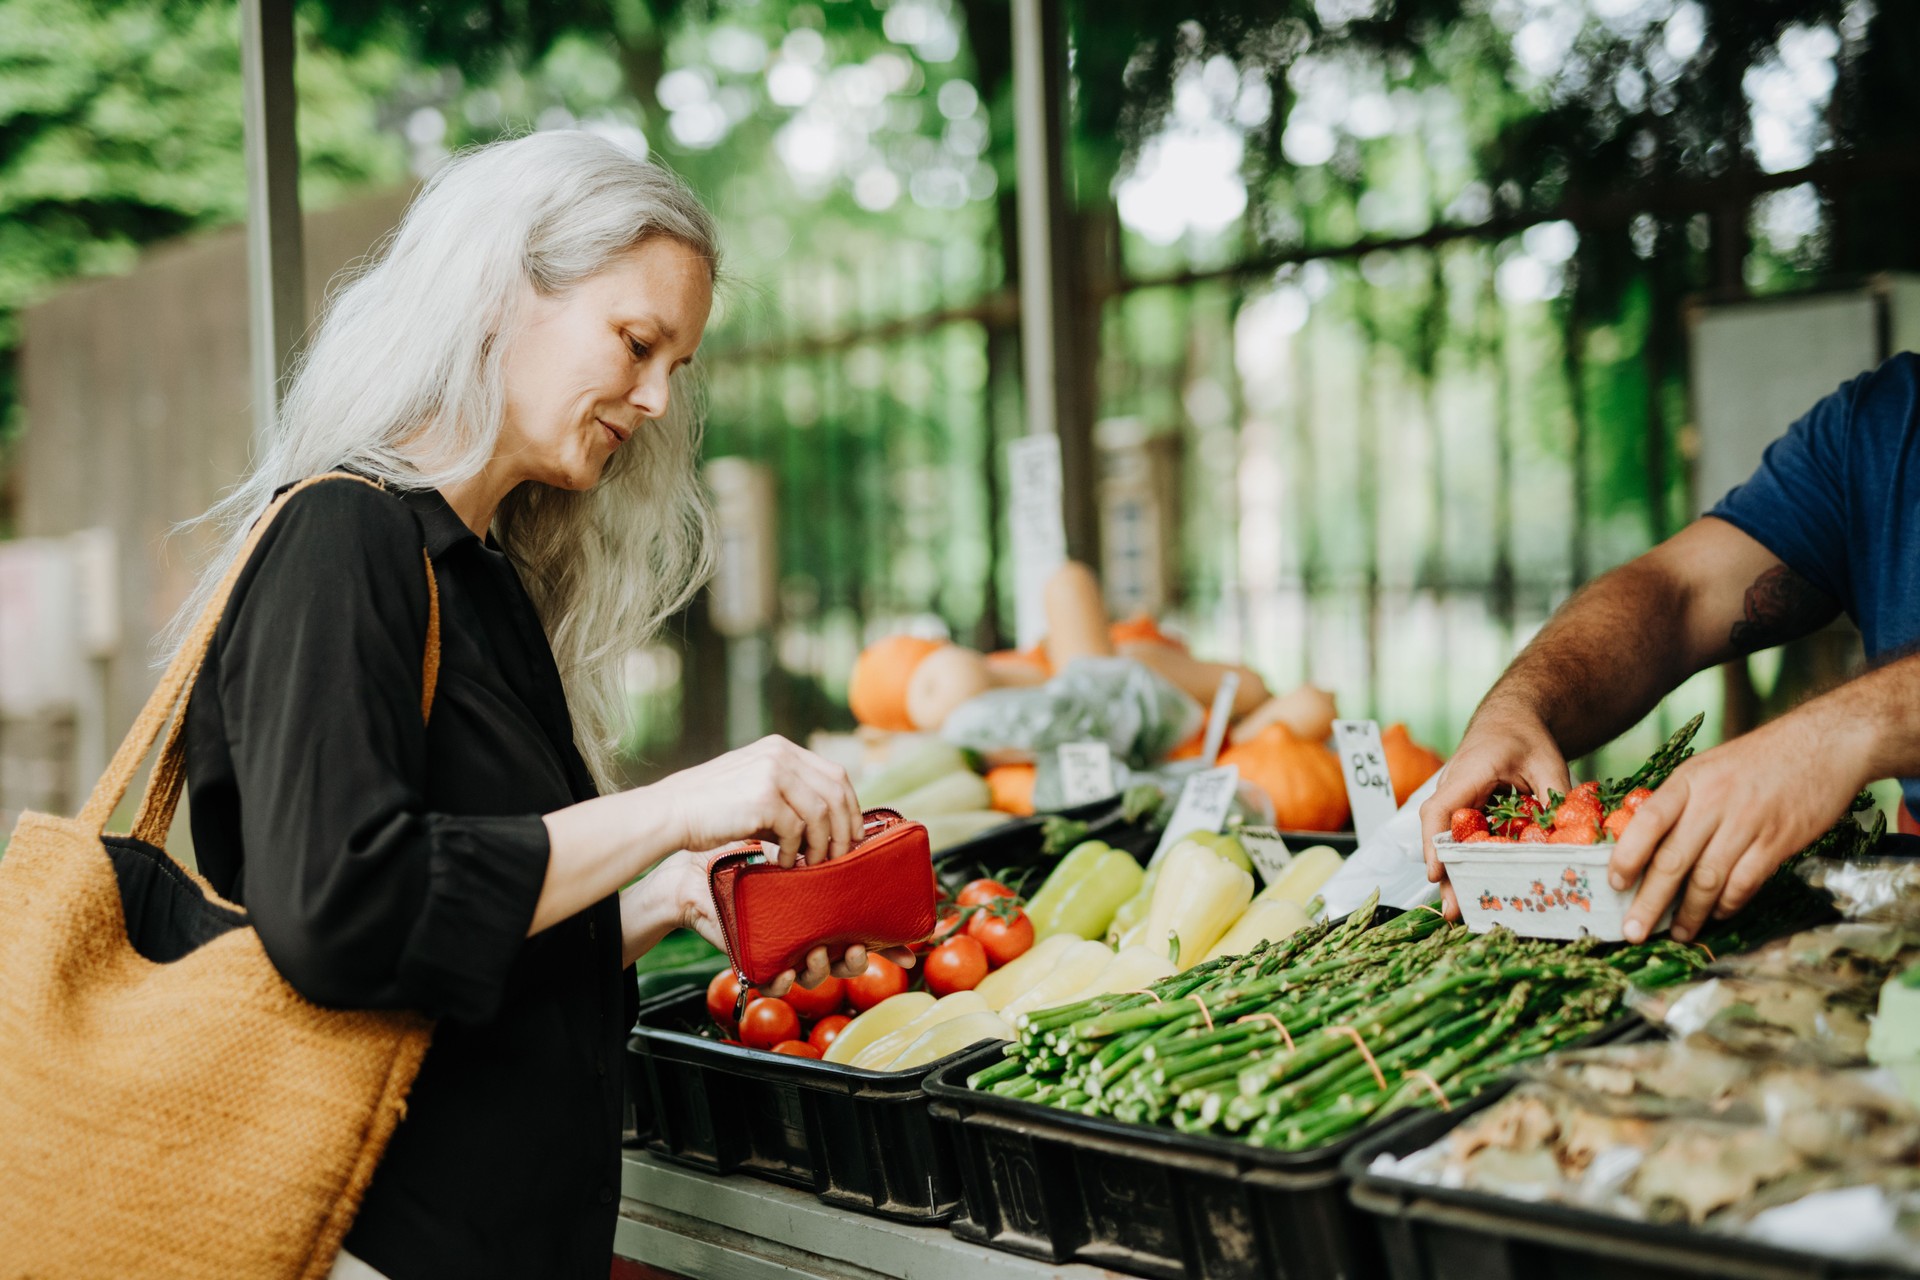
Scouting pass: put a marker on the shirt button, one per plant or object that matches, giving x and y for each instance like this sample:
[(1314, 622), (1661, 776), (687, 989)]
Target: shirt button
[(606, 1195), (599, 1066), (593, 931)]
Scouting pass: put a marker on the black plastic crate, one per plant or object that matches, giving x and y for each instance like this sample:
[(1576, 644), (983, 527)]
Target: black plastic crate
[(858, 1139), (1059, 1186), (1438, 1233), (656, 986)]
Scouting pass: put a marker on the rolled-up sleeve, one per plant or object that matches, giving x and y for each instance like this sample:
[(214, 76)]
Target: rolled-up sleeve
[(363, 898)]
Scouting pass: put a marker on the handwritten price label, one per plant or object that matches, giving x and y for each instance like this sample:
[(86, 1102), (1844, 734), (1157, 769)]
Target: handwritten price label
[(1038, 529), (1086, 772), (1269, 852), (1363, 761), (1202, 806)]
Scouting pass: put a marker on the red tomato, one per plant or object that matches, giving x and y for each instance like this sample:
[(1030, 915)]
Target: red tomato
[(796, 1049), (1004, 940), (819, 1001), (883, 978), (722, 994), (957, 964), (827, 1030), (768, 1022), (948, 923), (979, 893)]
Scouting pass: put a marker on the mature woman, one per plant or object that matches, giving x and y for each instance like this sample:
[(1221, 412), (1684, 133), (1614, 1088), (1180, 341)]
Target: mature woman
[(512, 371)]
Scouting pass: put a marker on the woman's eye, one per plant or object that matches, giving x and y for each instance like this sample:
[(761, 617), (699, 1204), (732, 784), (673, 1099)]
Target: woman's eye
[(640, 349)]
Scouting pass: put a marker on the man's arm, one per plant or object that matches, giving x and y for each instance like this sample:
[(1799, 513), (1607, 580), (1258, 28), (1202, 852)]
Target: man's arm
[(1613, 651)]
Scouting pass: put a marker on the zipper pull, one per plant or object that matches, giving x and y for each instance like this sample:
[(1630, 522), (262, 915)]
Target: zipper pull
[(740, 1001)]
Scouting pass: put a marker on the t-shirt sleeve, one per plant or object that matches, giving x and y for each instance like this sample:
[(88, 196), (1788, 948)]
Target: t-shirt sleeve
[(1795, 503), (362, 897)]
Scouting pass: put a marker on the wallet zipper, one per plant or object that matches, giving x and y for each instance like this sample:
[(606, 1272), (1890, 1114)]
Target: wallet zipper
[(871, 827), (726, 934)]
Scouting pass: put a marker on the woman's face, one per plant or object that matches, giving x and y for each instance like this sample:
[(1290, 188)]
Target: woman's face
[(590, 366)]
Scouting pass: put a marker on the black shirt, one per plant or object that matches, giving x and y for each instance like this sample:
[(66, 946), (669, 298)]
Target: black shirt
[(391, 864)]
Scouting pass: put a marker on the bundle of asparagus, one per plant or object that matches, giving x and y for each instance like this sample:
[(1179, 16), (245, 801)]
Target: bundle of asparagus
[(1296, 1043)]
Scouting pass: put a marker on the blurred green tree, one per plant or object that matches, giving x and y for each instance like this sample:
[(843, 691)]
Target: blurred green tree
[(120, 126)]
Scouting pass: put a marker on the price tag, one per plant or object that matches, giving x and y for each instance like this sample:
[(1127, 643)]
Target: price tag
[(1218, 715), (1268, 851), (1039, 532), (1202, 806), (1086, 772), (1363, 761)]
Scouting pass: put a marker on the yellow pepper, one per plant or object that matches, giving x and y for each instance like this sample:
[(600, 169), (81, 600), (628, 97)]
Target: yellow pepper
[(1199, 896), (1084, 891)]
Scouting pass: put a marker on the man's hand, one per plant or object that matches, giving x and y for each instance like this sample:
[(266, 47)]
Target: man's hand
[(1726, 819), (1504, 746)]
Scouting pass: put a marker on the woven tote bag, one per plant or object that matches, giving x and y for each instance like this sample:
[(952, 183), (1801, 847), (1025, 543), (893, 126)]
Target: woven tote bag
[(169, 1106)]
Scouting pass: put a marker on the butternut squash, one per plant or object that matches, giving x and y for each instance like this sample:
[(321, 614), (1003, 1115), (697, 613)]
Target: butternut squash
[(1199, 679), (942, 681), (1076, 617)]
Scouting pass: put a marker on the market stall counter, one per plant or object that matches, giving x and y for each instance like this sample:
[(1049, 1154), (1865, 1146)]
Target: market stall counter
[(689, 1223)]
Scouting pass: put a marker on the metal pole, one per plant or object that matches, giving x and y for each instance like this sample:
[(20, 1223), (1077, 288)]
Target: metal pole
[(276, 283), (1049, 326)]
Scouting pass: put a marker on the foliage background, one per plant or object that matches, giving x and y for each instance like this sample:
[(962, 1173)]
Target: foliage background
[(1318, 234)]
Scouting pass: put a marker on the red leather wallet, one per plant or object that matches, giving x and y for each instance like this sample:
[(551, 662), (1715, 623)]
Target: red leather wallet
[(882, 894)]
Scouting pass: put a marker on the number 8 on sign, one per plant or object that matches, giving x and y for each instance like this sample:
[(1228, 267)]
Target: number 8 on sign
[(1369, 788)]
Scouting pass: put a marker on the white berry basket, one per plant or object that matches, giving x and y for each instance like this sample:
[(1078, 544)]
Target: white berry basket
[(1538, 890)]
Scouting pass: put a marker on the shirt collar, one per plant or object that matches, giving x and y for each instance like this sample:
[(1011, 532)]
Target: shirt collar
[(443, 526)]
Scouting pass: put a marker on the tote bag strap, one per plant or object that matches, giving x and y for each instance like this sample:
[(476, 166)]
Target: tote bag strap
[(167, 706)]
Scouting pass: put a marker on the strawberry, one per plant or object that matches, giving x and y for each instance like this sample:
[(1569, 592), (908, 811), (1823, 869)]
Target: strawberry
[(1511, 814), (1533, 833), (1632, 801), (1584, 833), (1468, 823), (1616, 823), (1477, 837), (1588, 788), (1578, 810)]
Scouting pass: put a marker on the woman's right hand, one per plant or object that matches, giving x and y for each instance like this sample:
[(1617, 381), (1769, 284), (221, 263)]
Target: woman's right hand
[(772, 791)]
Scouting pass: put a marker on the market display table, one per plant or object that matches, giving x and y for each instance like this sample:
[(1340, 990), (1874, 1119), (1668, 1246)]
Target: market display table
[(683, 1221)]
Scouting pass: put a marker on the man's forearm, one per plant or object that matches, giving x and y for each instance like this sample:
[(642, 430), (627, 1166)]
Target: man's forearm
[(1871, 722), (1602, 662)]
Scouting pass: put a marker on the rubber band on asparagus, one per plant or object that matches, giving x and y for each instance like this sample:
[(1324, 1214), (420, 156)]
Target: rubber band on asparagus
[(1141, 991), (1378, 1075), (1433, 1086), (1275, 1020), (1204, 1011)]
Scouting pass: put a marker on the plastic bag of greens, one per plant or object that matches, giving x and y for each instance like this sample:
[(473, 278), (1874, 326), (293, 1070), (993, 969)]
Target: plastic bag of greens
[(1251, 807), (1139, 715)]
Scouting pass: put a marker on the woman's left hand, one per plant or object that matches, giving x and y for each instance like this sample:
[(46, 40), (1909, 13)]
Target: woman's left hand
[(679, 893)]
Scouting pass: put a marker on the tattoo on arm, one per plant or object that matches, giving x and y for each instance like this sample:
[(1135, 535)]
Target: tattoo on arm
[(1780, 606)]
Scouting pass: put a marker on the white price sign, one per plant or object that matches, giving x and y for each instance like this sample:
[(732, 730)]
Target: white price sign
[(1039, 532), (1269, 852), (1363, 762), (1218, 715), (1086, 772), (1202, 806)]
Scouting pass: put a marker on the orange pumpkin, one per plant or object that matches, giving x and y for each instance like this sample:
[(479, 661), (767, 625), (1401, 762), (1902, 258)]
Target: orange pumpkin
[(877, 690), (1139, 629), (1011, 786), (1302, 779), (1408, 763)]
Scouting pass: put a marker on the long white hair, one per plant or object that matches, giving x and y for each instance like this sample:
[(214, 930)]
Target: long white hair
[(403, 382)]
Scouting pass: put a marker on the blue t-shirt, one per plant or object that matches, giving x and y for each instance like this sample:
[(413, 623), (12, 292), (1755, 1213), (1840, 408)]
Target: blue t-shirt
[(1837, 498)]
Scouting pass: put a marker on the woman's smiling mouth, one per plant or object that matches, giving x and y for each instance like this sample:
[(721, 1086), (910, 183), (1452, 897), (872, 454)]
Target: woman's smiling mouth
[(614, 433)]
